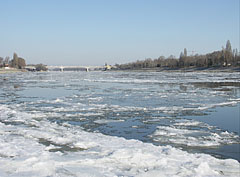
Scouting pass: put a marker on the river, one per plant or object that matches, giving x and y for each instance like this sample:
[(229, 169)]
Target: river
[(119, 124)]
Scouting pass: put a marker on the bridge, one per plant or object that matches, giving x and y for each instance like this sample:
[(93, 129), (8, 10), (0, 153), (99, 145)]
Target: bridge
[(75, 68)]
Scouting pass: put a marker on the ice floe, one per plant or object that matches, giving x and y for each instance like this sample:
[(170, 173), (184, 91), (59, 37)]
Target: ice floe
[(42, 148), (194, 134)]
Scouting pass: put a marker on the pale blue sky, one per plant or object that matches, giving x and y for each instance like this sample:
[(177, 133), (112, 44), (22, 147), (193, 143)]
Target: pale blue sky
[(92, 32)]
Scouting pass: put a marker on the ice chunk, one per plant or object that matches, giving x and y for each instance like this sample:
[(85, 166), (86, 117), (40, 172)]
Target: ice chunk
[(23, 152), (193, 133)]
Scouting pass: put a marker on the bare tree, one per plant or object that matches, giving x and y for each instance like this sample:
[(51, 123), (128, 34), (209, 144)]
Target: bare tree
[(228, 53), (185, 52), (228, 47), (21, 63), (1, 61), (6, 60), (14, 62)]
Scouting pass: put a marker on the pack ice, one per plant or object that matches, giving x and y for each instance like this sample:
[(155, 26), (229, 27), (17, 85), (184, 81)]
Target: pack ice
[(37, 147)]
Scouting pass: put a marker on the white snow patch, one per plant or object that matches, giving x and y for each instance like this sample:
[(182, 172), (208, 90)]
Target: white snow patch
[(31, 149), (193, 133)]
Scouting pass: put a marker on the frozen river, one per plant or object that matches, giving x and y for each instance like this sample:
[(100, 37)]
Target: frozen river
[(119, 124)]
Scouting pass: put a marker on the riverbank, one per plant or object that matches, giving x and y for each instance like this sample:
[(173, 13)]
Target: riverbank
[(11, 70), (190, 69)]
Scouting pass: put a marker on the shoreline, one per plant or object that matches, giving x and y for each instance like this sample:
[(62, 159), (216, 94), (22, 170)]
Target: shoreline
[(222, 69), (11, 70)]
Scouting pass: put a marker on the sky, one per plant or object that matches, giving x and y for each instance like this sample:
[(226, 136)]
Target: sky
[(95, 32)]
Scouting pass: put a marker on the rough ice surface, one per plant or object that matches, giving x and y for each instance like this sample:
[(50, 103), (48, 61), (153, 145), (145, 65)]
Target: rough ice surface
[(114, 124), (30, 147), (194, 133)]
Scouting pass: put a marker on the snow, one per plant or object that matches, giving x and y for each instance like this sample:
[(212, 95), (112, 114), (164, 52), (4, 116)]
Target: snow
[(193, 134), (30, 147)]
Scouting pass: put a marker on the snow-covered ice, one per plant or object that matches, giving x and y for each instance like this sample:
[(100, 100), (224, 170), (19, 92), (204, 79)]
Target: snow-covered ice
[(30, 147), (116, 124)]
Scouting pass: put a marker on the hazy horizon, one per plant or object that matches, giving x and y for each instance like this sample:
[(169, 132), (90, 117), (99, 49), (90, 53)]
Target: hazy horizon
[(94, 32)]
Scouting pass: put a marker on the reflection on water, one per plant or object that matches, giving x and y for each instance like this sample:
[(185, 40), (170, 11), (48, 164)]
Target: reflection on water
[(197, 112)]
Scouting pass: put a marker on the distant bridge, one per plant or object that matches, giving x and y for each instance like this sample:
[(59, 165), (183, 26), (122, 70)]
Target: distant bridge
[(75, 68)]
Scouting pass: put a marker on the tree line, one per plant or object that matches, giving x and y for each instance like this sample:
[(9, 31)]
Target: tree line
[(223, 58), (19, 63), (16, 62)]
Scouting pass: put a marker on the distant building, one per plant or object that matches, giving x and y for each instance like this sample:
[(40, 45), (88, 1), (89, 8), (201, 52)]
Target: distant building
[(107, 67)]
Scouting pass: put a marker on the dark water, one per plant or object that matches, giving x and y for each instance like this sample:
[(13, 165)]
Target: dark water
[(226, 118)]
